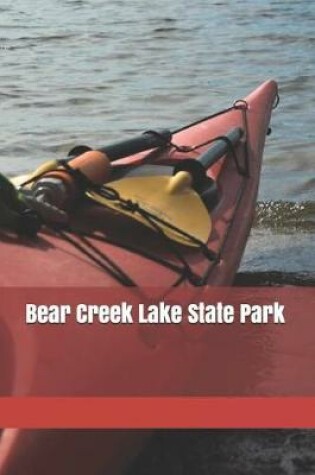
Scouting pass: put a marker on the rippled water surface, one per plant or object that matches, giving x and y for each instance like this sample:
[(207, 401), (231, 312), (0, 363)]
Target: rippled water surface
[(92, 71), (89, 71)]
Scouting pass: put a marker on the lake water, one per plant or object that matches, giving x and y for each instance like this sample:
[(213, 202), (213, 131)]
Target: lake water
[(92, 71)]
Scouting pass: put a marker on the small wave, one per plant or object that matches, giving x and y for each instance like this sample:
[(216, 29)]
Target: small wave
[(166, 29), (169, 20), (45, 38), (308, 185), (285, 214), (8, 95), (296, 84)]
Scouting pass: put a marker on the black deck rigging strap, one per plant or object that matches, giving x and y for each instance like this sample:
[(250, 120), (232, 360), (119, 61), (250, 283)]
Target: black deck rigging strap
[(86, 247), (155, 222)]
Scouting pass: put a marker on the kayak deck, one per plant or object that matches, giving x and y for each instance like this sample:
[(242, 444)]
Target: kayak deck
[(39, 363), (125, 252)]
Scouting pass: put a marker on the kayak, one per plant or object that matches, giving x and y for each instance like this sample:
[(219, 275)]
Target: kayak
[(134, 251)]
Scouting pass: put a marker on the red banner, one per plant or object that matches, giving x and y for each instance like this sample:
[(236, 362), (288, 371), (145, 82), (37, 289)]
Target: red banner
[(158, 412), (225, 357)]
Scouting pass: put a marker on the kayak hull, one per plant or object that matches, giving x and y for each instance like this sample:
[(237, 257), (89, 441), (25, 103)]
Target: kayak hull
[(231, 218), (50, 261)]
